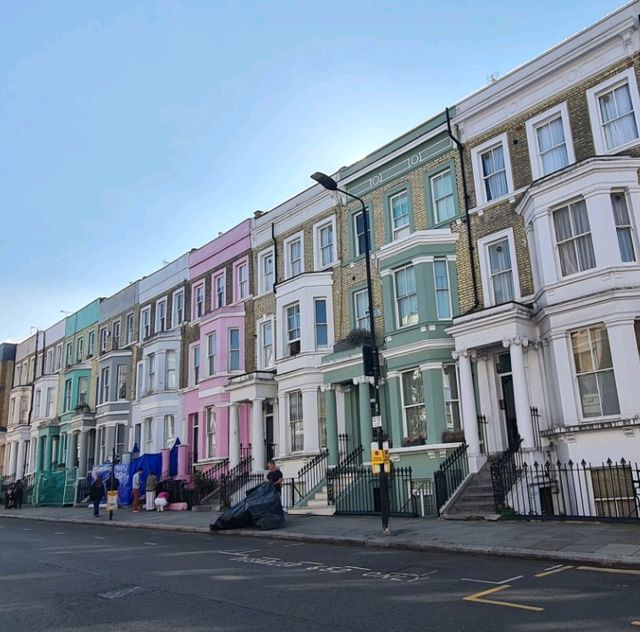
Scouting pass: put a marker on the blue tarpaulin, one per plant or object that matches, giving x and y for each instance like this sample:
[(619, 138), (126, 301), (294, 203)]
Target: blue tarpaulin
[(173, 459), (124, 474)]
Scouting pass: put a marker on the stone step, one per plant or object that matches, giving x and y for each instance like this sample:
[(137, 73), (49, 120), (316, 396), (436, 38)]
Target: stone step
[(326, 510), (321, 496), (317, 502), (471, 516)]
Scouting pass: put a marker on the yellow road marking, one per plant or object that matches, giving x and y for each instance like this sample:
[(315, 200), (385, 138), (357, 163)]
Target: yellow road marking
[(479, 598), (625, 571), (554, 571)]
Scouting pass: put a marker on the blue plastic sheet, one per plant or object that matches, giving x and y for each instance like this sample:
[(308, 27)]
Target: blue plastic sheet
[(124, 474), (173, 459)]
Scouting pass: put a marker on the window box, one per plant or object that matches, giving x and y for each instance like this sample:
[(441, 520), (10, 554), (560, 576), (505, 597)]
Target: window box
[(408, 442)]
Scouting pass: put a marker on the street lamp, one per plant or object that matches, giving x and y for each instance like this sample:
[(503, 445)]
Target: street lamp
[(331, 185)]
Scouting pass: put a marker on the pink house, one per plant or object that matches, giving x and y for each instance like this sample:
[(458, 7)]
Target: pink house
[(221, 283)]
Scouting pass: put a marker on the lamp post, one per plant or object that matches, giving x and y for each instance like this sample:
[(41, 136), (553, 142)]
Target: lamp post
[(331, 185)]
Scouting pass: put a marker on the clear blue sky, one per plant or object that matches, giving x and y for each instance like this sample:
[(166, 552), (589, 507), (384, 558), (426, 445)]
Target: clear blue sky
[(131, 132)]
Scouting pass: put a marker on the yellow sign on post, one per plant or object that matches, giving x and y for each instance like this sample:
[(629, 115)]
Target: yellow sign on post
[(380, 458), (112, 501)]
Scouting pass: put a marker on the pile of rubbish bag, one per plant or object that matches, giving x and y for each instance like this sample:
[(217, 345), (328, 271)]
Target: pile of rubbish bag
[(261, 508)]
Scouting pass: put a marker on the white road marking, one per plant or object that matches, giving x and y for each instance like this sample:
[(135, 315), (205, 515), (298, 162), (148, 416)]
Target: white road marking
[(27, 529), (151, 543), (59, 532), (98, 537)]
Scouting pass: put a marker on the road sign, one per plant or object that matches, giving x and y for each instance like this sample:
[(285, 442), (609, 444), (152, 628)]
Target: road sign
[(112, 501), (377, 421)]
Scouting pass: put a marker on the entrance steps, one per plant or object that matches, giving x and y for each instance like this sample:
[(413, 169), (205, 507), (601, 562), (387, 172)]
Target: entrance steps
[(316, 504), (475, 501)]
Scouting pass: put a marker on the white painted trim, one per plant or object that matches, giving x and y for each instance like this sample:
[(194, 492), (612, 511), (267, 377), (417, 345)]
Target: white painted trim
[(532, 137), (435, 289), (174, 295), (431, 237), (478, 180), (160, 302), (260, 322), (485, 268), (317, 254), (628, 76), (236, 280), (287, 261), (262, 256), (220, 274)]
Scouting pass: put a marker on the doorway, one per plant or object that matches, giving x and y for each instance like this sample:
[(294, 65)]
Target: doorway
[(195, 437), (268, 423), (509, 405)]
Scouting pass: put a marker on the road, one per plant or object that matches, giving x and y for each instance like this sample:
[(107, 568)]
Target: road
[(61, 577)]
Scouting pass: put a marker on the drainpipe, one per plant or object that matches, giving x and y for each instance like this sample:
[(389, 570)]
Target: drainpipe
[(467, 219), (275, 256), (35, 372)]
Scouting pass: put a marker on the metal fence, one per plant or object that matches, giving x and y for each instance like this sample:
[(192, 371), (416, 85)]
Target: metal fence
[(356, 491), (313, 473), (576, 491), (450, 475)]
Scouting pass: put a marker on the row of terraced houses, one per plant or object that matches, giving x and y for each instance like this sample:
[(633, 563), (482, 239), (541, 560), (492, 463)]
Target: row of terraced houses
[(506, 285)]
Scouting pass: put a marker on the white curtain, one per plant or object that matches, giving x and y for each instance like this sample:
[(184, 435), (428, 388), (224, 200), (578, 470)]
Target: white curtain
[(618, 119), (552, 146), (623, 226), (494, 173), (501, 273)]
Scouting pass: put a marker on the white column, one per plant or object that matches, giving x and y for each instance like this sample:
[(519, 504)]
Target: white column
[(516, 348), (626, 365), (82, 464), (605, 242), (20, 459), (234, 435), (310, 420), (257, 436), (564, 379), (13, 456), (280, 414), (71, 446), (468, 402)]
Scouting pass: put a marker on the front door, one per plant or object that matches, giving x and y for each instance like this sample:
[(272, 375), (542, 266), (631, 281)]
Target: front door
[(195, 438), (268, 424), (509, 405)]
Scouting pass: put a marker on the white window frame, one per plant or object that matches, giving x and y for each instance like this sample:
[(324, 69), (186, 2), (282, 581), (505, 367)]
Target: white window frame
[(478, 176), (317, 252), (238, 293), (300, 420), (264, 285), (169, 370), (402, 231), (48, 365), (316, 324), (485, 267), (145, 310), (50, 403), (148, 430), (80, 349), (288, 267), (232, 350), (130, 322), (219, 276), (532, 125), (440, 174), (175, 321), (630, 226), (115, 334), (451, 401), (57, 362), (627, 76), (105, 385), (354, 228), (404, 405), (288, 341), (435, 288), (83, 379), (556, 245), (161, 306), (270, 321), (356, 321), (150, 372), (195, 367), (169, 430), (399, 324), (196, 288), (104, 339), (211, 428), (120, 370), (212, 354)]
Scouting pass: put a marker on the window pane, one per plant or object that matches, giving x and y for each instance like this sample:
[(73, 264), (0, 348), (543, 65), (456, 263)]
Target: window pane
[(412, 387), (608, 393)]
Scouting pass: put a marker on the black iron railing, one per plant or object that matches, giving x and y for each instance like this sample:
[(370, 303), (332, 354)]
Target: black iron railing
[(209, 480), (313, 473), (235, 480), (338, 476), (576, 491), (482, 434), (450, 475), (535, 421), (504, 474), (343, 446), (245, 452), (360, 491)]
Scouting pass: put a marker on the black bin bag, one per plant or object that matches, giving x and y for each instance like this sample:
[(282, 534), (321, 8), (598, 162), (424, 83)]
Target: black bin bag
[(261, 508)]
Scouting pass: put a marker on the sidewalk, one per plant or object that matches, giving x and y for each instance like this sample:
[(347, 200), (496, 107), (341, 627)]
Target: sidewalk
[(605, 544)]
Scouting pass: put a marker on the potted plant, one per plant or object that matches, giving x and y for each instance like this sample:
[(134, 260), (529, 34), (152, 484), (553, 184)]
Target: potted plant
[(453, 436), (408, 442)]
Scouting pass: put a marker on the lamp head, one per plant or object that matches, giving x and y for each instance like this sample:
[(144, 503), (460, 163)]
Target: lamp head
[(326, 181)]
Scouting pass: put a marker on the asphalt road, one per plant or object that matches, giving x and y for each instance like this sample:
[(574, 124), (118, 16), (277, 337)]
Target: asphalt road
[(62, 577)]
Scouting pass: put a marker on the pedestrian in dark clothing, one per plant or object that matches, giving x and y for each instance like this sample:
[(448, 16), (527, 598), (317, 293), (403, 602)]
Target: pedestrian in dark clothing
[(18, 488), (275, 475), (96, 493)]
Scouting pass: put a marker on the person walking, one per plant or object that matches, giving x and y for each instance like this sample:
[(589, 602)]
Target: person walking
[(96, 493), (150, 491), (18, 488), (135, 488)]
